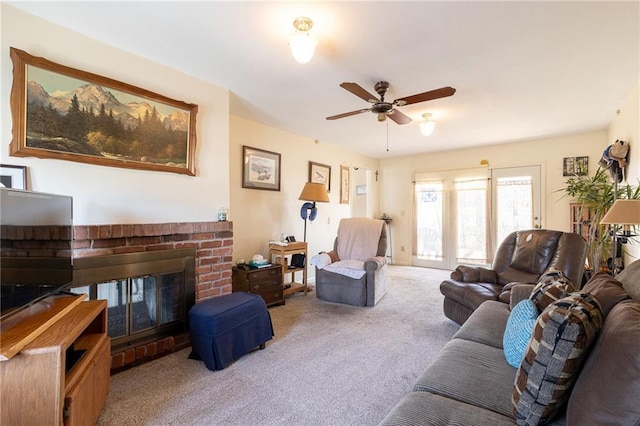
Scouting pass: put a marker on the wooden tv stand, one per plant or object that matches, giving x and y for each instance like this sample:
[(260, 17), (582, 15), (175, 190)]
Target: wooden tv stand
[(35, 345)]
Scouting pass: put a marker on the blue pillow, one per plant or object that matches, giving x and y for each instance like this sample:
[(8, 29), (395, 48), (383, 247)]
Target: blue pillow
[(518, 332)]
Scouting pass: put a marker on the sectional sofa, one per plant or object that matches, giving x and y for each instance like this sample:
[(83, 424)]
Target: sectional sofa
[(581, 361)]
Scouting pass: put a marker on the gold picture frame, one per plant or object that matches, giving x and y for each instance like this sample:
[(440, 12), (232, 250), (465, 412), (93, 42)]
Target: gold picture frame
[(69, 114)]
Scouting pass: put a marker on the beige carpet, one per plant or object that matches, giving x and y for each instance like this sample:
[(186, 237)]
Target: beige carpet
[(328, 364)]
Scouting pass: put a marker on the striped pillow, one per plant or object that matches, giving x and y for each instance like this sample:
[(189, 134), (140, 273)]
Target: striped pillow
[(560, 343), (551, 286)]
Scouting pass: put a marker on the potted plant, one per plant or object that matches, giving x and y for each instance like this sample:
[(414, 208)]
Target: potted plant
[(597, 193)]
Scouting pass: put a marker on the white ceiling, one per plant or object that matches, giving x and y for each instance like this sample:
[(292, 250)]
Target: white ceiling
[(522, 70)]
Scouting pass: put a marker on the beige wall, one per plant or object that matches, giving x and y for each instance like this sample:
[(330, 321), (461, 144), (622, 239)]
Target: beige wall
[(101, 194), (260, 215), (397, 175)]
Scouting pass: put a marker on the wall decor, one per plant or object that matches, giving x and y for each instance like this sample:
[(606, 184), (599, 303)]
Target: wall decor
[(345, 184), (68, 114), (260, 169), (13, 176), (320, 173), (575, 166), (361, 189)]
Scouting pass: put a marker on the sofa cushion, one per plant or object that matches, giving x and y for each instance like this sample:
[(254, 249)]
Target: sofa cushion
[(518, 331), (472, 373), (607, 290), (551, 286), (425, 408), (608, 387), (561, 339), (486, 325)]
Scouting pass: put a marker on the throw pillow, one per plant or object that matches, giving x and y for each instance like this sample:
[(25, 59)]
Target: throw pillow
[(629, 279), (561, 339), (518, 331), (607, 289), (551, 286)]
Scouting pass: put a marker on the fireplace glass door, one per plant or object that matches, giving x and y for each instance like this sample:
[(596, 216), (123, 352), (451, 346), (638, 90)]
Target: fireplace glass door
[(138, 304)]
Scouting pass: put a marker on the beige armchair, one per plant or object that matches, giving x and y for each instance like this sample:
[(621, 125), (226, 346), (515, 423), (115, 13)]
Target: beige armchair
[(355, 271)]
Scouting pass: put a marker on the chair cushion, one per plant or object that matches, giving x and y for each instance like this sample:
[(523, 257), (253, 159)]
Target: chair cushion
[(551, 286), (561, 339), (518, 331), (534, 250)]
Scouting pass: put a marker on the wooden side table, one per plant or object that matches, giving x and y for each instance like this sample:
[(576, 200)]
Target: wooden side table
[(282, 252), (267, 282)]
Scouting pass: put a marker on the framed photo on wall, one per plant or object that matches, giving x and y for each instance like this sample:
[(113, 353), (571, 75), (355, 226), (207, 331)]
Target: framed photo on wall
[(575, 166), (13, 176), (260, 169), (320, 173), (69, 114), (345, 184)]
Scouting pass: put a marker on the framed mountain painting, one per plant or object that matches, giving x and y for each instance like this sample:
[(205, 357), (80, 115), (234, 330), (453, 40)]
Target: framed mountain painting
[(68, 114)]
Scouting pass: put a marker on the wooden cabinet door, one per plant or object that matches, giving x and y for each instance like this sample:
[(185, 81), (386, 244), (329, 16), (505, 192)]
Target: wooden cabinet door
[(85, 400)]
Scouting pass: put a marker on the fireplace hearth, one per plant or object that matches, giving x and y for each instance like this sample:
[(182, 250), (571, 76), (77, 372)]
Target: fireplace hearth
[(213, 246)]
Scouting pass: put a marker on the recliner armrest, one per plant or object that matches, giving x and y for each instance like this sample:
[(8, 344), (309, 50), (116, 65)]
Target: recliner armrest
[(519, 292), (374, 263), (470, 274)]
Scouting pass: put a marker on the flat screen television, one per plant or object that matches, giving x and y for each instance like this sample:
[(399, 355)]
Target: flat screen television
[(36, 257)]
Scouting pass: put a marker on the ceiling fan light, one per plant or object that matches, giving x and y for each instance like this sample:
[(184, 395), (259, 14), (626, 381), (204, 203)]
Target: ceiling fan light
[(302, 44), (426, 126)]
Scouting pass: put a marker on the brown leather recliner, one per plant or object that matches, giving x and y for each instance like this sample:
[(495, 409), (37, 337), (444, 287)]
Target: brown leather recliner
[(521, 258)]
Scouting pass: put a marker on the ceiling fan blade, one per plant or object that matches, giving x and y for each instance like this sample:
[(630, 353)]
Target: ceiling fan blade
[(398, 117), (442, 92), (360, 92), (348, 114)]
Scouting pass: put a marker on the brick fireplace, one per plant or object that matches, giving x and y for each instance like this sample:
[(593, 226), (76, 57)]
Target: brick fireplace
[(213, 244)]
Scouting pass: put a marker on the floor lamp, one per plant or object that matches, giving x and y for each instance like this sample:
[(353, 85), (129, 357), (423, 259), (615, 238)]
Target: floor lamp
[(314, 192), (627, 214)]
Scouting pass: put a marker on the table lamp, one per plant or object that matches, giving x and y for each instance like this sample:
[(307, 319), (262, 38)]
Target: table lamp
[(625, 213)]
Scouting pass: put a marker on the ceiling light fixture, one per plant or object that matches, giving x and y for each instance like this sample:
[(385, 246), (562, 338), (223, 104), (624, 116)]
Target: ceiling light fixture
[(302, 44), (427, 126)]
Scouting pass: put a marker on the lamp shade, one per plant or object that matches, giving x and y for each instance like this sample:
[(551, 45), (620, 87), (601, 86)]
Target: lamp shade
[(303, 46), (316, 192), (623, 212)]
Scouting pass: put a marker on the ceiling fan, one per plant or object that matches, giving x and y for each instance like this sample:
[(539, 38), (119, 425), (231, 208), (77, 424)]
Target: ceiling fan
[(386, 109)]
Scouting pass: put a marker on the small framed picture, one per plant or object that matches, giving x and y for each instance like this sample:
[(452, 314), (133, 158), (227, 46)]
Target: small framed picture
[(320, 173), (344, 184), (361, 189), (13, 176), (575, 166), (260, 169)]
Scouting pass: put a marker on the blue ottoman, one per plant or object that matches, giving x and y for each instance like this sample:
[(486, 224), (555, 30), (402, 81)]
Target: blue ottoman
[(225, 328)]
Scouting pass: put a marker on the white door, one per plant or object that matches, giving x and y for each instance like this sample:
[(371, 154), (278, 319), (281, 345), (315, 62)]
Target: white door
[(516, 200)]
